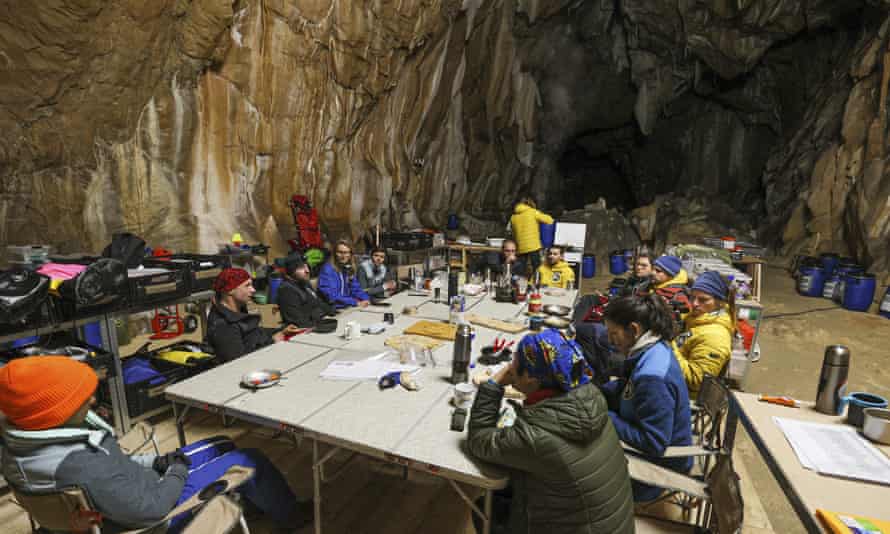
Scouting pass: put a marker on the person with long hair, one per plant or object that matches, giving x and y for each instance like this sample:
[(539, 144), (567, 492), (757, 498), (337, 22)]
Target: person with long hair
[(524, 222), (649, 401), (338, 281), (567, 470), (705, 346)]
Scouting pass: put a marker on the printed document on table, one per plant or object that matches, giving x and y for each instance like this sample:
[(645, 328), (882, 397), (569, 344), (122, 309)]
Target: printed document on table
[(370, 369), (835, 450)]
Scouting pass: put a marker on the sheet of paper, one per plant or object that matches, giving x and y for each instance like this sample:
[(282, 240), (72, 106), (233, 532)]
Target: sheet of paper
[(835, 450), (370, 369)]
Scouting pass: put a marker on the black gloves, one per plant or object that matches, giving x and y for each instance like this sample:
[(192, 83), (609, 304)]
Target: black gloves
[(165, 461)]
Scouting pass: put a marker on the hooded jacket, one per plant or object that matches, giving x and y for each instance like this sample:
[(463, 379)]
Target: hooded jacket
[(301, 305), (234, 334), (341, 289), (558, 275), (525, 222), (681, 280), (568, 470), (649, 406), (125, 490), (705, 347)]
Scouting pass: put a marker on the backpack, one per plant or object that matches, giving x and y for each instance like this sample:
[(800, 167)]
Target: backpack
[(22, 292), (126, 248)]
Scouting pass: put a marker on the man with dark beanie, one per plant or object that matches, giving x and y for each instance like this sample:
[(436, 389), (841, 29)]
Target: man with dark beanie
[(53, 440), (298, 302), (231, 330)]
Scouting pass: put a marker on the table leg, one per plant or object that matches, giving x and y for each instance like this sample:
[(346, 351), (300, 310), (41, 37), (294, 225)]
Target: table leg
[(316, 486), (179, 418), (486, 521)]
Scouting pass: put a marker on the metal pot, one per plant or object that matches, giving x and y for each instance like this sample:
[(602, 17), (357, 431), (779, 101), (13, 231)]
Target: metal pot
[(557, 309), (876, 426)]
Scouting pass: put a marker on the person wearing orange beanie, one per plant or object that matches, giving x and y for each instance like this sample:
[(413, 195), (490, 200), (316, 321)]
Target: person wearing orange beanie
[(53, 440), (231, 330)]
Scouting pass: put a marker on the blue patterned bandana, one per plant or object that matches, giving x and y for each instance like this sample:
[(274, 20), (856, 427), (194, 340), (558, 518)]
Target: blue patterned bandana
[(555, 361)]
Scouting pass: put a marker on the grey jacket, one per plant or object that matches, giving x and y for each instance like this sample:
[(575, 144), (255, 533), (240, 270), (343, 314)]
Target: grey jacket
[(372, 277), (125, 490)]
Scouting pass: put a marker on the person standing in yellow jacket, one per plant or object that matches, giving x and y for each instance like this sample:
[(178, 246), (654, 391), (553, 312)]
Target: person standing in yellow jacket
[(555, 272), (525, 221), (706, 345)]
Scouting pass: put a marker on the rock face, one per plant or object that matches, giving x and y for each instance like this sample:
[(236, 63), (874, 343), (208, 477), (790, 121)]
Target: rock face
[(187, 120)]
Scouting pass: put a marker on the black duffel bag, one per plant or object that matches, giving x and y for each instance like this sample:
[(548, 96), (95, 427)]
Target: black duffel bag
[(103, 282), (22, 292)]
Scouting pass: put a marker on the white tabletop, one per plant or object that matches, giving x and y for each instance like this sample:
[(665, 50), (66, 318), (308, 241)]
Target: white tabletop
[(814, 490)]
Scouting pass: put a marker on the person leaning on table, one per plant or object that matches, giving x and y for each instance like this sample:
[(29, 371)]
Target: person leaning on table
[(649, 401), (52, 440), (231, 330), (567, 469)]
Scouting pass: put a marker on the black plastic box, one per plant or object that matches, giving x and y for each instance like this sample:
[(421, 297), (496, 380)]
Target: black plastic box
[(202, 269), (407, 240), (99, 359), (167, 286), (145, 396)]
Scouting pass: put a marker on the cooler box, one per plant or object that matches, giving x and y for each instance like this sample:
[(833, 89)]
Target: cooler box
[(155, 285)]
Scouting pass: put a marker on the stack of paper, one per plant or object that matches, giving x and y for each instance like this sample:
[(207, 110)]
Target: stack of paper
[(370, 369), (835, 450)]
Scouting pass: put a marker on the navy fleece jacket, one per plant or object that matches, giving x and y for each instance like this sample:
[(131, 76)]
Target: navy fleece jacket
[(649, 406)]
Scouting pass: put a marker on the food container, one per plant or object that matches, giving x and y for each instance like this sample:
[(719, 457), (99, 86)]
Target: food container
[(495, 241), (877, 425), (557, 309)]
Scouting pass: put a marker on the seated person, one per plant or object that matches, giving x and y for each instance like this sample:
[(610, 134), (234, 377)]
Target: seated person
[(648, 402), (706, 344), (231, 331), (337, 280), (496, 262), (641, 279), (298, 302), (53, 440), (671, 283), (373, 276), (567, 469), (555, 272)]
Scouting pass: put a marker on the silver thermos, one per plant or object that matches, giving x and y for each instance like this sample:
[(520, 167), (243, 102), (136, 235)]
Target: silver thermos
[(833, 379), (460, 361)]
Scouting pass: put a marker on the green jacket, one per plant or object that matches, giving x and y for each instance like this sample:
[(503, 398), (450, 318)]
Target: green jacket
[(568, 471)]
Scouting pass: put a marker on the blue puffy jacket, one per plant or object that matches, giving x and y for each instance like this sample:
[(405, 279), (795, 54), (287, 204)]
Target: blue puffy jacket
[(341, 289), (649, 406)]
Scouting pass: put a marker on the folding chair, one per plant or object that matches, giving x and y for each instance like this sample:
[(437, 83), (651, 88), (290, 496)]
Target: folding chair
[(721, 494), (70, 510)]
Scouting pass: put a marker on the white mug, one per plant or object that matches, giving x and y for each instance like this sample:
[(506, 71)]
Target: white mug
[(463, 394), (353, 330)]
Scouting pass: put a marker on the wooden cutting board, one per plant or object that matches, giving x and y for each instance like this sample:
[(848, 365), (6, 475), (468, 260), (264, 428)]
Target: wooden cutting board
[(433, 329), (495, 324), (397, 342)]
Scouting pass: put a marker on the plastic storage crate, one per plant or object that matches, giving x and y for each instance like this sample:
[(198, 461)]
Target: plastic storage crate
[(202, 269), (155, 285)]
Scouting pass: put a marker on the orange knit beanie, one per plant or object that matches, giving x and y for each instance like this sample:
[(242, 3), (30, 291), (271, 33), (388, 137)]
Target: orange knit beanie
[(41, 392)]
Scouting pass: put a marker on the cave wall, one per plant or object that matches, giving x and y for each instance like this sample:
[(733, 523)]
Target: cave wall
[(187, 120)]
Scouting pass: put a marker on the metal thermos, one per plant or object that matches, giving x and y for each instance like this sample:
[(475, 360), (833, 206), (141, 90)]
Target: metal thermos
[(453, 278), (833, 379), (460, 361)]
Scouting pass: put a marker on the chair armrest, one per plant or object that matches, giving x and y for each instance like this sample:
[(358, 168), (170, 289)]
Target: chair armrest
[(649, 473), (233, 477)]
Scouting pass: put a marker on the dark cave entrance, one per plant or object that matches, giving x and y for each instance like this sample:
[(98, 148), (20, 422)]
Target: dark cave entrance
[(585, 178)]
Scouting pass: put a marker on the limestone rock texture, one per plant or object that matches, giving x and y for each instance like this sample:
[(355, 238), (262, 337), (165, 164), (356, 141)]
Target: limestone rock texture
[(185, 121)]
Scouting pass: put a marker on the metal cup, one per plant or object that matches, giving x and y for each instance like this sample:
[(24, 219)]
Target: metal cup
[(389, 318)]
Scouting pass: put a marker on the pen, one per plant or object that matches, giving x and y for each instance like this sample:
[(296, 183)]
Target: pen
[(783, 401)]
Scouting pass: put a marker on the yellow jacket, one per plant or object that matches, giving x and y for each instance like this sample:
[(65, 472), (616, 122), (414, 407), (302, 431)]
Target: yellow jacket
[(705, 347), (557, 276), (681, 279), (524, 222)]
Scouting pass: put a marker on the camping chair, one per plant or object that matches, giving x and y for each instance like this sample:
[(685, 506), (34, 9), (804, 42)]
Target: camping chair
[(70, 510), (721, 493)]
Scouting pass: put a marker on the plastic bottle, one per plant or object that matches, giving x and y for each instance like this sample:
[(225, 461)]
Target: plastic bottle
[(535, 304)]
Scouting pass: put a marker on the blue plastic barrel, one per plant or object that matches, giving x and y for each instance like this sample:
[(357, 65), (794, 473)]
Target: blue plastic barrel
[(453, 223), (548, 231), (617, 262), (830, 286), (859, 291), (811, 281), (885, 304), (25, 341), (829, 261), (92, 334), (806, 261), (274, 284), (588, 266), (845, 267)]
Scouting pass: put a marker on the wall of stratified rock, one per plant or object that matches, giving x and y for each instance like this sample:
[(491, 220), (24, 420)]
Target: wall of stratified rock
[(184, 121)]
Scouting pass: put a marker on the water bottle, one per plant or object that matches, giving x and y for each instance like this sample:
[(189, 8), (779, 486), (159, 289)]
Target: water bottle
[(833, 380), (460, 360)]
